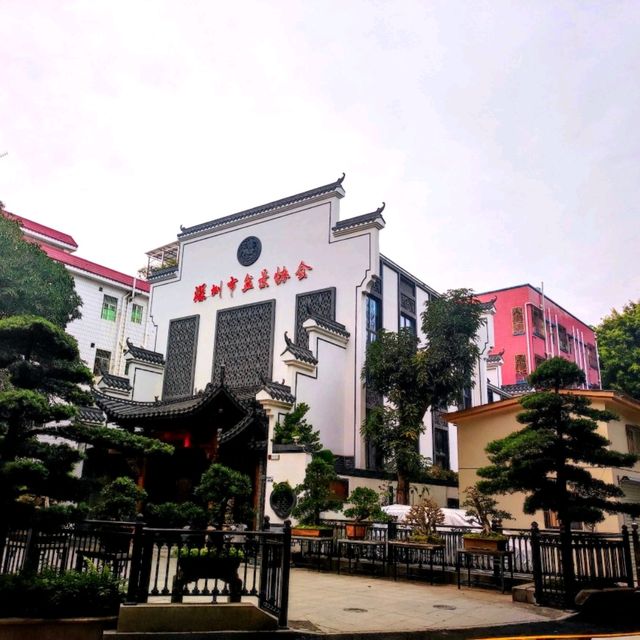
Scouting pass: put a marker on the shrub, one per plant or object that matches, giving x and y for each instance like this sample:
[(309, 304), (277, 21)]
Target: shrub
[(483, 508), (174, 515), (365, 505), (424, 518), (61, 595), (294, 429), (118, 500)]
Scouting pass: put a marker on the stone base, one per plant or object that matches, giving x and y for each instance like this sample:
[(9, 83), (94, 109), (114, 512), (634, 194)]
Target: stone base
[(42, 629), (524, 593), (158, 618)]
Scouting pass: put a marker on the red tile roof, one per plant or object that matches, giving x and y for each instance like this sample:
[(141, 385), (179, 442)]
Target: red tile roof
[(41, 229), (92, 267)]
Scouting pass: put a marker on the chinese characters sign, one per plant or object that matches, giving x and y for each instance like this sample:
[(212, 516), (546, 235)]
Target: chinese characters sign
[(262, 281)]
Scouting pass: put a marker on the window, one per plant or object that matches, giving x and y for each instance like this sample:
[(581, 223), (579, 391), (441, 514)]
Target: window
[(109, 308), (517, 321), (136, 313), (538, 322), (564, 342), (539, 361), (374, 318), (467, 401), (633, 438), (521, 367), (102, 362), (441, 447), (551, 521), (408, 323), (592, 356)]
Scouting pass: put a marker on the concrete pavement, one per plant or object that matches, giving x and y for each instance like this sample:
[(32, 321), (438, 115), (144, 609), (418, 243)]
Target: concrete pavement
[(343, 604)]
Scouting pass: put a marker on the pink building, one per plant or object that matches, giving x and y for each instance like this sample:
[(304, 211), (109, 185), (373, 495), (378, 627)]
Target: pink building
[(530, 328)]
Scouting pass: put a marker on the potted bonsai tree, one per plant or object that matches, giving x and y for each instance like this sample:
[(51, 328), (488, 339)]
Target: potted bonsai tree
[(423, 518), (365, 507), (482, 509), (315, 496)]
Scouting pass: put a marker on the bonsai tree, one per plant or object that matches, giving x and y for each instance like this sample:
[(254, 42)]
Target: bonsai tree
[(227, 493), (482, 508), (118, 500), (174, 515), (423, 518), (314, 494), (294, 429), (365, 505)]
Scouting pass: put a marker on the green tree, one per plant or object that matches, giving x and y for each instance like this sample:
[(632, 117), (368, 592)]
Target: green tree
[(294, 428), (42, 384), (314, 493), (118, 500), (619, 348), (226, 493), (31, 283), (549, 458), (413, 378)]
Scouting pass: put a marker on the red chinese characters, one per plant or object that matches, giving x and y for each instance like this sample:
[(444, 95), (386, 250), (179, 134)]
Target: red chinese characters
[(216, 290), (301, 271), (263, 281), (248, 283), (200, 293), (281, 275), (232, 284)]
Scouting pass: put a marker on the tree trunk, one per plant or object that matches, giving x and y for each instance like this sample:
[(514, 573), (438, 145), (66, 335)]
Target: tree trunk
[(402, 492)]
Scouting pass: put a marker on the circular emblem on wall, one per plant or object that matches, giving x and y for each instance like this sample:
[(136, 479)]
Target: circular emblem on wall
[(282, 499), (249, 251)]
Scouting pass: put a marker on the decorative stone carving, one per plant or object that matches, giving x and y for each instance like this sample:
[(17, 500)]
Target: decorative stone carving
[(244, 344), (282, 500), (249, 251), (181, 353), (317, 303)]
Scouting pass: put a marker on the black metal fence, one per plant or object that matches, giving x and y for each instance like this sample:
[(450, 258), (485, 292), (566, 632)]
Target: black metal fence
[(175, 563)]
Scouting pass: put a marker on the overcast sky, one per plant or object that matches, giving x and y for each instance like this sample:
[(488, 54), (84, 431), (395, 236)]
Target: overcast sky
[(503, 136)]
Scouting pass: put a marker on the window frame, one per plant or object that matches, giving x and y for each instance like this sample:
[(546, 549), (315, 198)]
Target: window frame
[(137, 313), (109, 308), (100, 358)]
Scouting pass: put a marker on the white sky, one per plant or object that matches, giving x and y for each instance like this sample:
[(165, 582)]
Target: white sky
[(504, 136)]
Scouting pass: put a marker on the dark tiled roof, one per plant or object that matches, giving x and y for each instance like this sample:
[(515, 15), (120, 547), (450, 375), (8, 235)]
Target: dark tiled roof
[(360, 220), (144, 354), (489, 304), (237, 429), (495, 357), (331, 325), (298, 352), (116, 382), (119, 409), (499, 391), (264, 208), (162, 273), (517, 389), (90, 414), (279, 392)]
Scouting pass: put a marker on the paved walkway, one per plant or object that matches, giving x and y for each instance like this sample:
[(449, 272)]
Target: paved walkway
[(330, 603)]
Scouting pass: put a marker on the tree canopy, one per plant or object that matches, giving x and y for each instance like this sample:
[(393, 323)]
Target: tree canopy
[(619, 348), (31, 283), (413, 378), (42, 382), (550, 457)]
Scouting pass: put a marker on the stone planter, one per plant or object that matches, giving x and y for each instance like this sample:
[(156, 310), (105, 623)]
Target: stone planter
[(54, 629), (312, 533), (484, 544), (356, 531)]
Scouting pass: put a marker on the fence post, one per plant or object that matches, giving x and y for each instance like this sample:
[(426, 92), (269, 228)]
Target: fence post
[(392, 530), (31, 551), (286, 570), (636, 549), (536, 562), (626, 549), (266, 523), (136, 564)]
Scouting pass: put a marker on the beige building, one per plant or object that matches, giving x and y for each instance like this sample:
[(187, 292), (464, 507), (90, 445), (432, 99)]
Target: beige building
[(480, 425)]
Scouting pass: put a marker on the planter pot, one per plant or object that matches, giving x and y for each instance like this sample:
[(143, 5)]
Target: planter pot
[(484, 544), (312, 533), (54, 629), (356, 531)]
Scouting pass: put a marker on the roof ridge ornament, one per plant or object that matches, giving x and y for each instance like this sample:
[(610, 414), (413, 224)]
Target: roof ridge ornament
[(381, 208), (339, 181)]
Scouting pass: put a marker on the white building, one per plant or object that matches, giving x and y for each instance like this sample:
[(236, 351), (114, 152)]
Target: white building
[(274, 306), (115, 306)]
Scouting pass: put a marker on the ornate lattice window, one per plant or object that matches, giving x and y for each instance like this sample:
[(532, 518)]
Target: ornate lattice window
[(592, 356), (538, 322), (563, 340), (517, 320), (318, 303), (521, 367), (633, 438), (244, 344), (182, 344)]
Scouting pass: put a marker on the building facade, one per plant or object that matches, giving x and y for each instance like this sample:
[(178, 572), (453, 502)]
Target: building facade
[(529, 328), (115, 306), (270, 307)]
